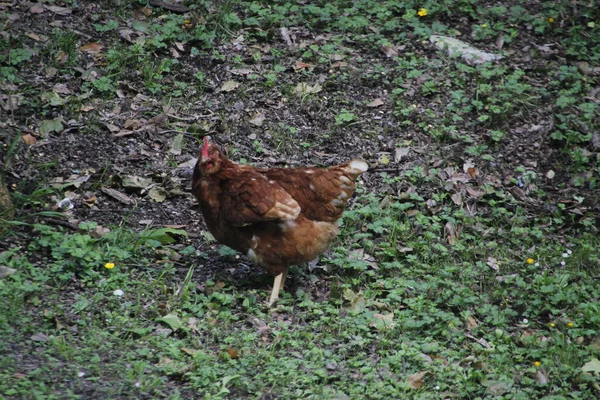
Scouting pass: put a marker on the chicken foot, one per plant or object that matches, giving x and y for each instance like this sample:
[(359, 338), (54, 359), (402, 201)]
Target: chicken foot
[(277, 286)]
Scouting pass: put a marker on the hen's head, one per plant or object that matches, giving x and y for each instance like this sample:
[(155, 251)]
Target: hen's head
[(210, 158)]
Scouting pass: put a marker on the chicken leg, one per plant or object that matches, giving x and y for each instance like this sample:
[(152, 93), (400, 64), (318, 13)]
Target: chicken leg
[(277, 286)]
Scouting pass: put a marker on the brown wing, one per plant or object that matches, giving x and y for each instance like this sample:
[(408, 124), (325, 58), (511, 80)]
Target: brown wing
[(250, 197), (322, 193)]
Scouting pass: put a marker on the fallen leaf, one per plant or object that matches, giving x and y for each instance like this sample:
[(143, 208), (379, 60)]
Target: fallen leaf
[(61, 57), (300, 65), (158, 194), (497, 388), (136, 182), (356, 300), (456, 198), (40, 337), (29, 139), (242, 71), (415, 381), (376, 103), (384, 159), (61, 88), (382, 321), (59, 10), (540, 377), (492, 263), (92, 48), (285, 34), (339, 64), (6, 271), (592, 366), (229, 86), (304, 88), (132, 124), (115, 194), (172, 320), (258, 119), (388, 50), (188, 351), (233, 353), (87, 108), (177, 144), (472, 322), (475, 193), (51, 125), (37, 9)]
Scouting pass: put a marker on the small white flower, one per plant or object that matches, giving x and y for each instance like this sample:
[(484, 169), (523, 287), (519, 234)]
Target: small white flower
[(565, 255), (118, 292), (537, 264), (81, 374), (525, 320), (562, 263), (569, 251), (137, 384), (437, 388)]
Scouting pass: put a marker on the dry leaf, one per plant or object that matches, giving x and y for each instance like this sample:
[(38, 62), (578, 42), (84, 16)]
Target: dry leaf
[(339, 64), (59, 10), (302, 65), (382, 321), (190, 352), (415, 381), (475, 193), (87, 108), (29, 139), (376, 103), (400, 153), (540, 377), (285, 34), (132, 124), (37, 9), (92, 48), (472, 322), (389, 51), (457, 199), (61, 57), (258, 119), (229, 86), (241, 71), (492, 263), (304, 88), (500, 42), (6, 271), (233, 353), (115, 194)]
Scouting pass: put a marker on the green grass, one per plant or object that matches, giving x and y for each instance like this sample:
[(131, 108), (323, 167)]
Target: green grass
[(469, 271)]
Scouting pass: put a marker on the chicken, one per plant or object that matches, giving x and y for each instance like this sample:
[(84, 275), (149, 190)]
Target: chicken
[(278, 217)]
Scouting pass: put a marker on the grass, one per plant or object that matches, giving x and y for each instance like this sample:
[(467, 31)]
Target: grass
[(468, 270)]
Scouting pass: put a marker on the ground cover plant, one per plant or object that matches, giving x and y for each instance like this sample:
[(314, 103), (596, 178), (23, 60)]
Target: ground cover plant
[(467, 266)]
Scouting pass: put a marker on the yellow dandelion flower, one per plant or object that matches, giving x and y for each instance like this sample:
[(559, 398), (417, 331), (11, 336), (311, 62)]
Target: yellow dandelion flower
[(550, 19), (551, 324), (484, 25), (109, 265), (537, 363), (570, 324), (422, 12), (530, 261)]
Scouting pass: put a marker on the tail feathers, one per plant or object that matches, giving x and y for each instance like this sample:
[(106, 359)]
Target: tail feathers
[(355, 167)]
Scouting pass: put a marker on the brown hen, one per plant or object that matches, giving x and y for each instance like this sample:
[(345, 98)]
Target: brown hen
[(276, 216)]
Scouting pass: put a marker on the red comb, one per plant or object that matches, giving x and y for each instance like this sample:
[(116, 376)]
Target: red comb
[(205, 147)]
